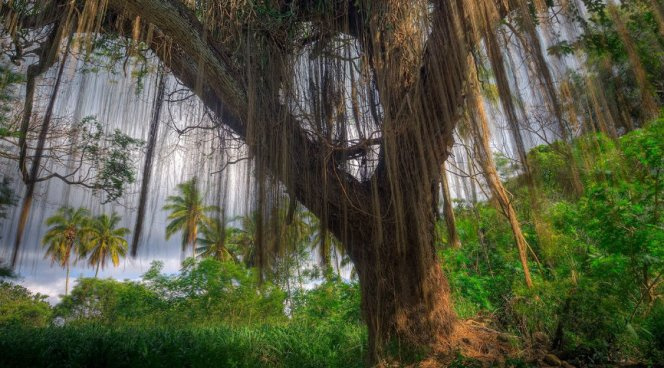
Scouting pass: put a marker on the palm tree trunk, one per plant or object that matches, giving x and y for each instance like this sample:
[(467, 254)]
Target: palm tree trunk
[(67, 280), (193, 242), (97, 270)]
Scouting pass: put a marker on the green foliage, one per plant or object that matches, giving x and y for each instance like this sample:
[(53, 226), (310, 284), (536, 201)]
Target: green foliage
[(608, 59), (334, 302), (109, 302), (599, 291), (102, 239), (216, 242), (112, 157), (108, 52), (202, 293), (65, 234), (20, 307), (210, 290), (487, 266), (211, 313), (6, 271), (117, 169)]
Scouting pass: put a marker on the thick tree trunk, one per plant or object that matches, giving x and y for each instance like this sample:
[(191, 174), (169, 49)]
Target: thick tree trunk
[(405, 296), (411, 308)]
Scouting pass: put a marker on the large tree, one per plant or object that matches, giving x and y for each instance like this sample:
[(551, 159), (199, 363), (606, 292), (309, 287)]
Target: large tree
[(349, 106)]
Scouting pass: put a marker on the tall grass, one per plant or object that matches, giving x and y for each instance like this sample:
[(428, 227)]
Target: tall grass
[(89, 345)]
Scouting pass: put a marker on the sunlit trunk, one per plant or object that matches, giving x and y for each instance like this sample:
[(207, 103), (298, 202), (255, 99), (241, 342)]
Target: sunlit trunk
[(405, 296), (481, 134)]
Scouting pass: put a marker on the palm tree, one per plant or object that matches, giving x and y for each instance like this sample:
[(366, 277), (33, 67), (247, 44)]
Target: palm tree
[(326, 244), (64, 235), (102, 240), (187, 213), (244, 239), (215, 241)]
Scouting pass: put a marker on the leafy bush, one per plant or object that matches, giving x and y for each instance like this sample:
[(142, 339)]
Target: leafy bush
[(598, 286), (334, 302), (203, 292), (19, 306)]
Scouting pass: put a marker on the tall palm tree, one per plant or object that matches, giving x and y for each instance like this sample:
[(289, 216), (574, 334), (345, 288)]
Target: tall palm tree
[(102, 239), (187, 213), (64, 236), (216, 241)]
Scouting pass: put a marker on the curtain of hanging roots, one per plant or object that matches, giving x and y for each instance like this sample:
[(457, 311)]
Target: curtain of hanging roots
[(347, 107)]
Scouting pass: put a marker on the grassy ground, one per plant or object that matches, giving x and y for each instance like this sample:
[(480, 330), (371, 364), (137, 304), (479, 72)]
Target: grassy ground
[(98, 346)]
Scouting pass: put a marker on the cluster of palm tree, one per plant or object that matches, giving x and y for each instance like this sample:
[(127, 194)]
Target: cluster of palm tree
[(210, 236), (206, 236), (74, 234)]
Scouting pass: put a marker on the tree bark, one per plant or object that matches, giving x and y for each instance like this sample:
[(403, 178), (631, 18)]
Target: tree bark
[(405, 296), (147, 165), (36, 163)]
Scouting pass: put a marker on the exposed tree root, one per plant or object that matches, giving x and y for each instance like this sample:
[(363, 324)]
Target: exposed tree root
[(474, 344)]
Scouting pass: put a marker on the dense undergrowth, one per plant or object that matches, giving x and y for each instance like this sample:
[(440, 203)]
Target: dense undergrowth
[(597, 295)]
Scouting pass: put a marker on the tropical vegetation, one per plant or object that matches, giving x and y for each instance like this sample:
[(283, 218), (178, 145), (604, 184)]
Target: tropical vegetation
[(422, 183)]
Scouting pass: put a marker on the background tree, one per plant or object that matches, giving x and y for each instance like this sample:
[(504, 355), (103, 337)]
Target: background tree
[(20, 307), (63, 240), (103, 240), (187, 213), (215, 241)]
